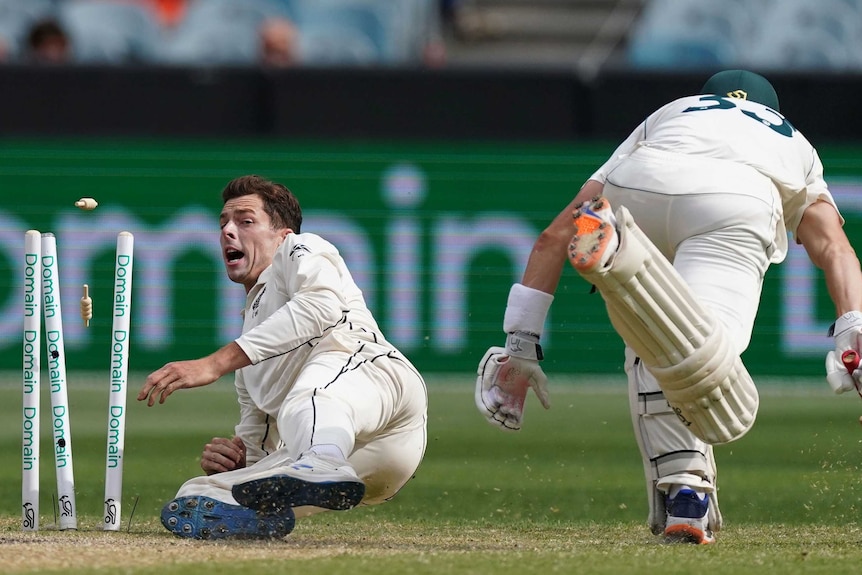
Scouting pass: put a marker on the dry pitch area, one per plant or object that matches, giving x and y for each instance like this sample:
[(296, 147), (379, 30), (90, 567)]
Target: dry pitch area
[(336, 545), (375, 547), (153, 549)]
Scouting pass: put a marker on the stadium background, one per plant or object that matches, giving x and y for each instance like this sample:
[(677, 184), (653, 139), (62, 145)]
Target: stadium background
[(433, 183)]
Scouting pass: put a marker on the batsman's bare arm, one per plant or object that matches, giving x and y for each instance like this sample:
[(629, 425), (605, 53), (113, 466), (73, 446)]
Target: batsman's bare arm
[(821, 234), (506, 373), (550, 252), (192, 373)]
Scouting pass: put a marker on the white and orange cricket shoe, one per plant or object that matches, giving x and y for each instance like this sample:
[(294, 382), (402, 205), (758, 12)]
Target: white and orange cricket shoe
[(596, 238), (687, 518)]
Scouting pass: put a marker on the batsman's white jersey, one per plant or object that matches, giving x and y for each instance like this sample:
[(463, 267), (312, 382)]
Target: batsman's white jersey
[(716, 184), (322, 372), (720, 145)]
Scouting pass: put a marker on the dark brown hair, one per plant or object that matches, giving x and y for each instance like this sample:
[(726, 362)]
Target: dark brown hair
[(279, 203), (45, 31)]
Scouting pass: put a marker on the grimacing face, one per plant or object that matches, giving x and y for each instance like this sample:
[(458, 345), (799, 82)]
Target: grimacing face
[(247, 239)]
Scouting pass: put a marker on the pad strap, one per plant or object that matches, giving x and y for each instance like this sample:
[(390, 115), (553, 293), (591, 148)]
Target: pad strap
[(652, 403)]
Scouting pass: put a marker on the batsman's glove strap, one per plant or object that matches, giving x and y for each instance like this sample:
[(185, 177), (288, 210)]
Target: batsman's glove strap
[(846, 322), (524, 345)]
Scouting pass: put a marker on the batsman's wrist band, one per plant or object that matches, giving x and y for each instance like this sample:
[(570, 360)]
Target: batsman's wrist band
[(526, 310)]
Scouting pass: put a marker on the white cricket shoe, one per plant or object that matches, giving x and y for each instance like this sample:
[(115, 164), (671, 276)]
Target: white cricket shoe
[(315, 480), (596, 238), (687, 518)]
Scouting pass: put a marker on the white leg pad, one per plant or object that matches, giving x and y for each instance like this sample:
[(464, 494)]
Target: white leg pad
[(671, 454), (679, 341)]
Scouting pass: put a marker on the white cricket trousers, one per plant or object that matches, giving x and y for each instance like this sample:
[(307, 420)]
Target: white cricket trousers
[(373, 405), (716, 222)]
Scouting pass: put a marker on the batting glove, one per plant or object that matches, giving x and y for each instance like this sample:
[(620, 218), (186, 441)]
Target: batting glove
[(505, 374), (847, 336)]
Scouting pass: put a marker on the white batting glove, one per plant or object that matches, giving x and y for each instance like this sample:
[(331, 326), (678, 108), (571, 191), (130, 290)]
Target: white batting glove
[(847, 336), (504, 375)]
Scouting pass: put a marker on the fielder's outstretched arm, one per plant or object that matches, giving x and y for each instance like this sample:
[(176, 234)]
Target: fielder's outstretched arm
[(192, 373)]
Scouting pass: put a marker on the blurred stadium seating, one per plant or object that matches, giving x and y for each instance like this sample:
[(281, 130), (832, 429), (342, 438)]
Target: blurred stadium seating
[(356, 32), (821, 35), (365, 32), (809, 35), (110, 32), (220, 31), (657, 35), (226, 32), (689, 34)]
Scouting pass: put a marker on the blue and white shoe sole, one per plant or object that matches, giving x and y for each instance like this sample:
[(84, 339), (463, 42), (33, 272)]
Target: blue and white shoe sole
[(207, 518), (274, 495)]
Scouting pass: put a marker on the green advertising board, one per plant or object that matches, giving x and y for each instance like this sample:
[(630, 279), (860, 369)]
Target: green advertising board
[(435, 234)]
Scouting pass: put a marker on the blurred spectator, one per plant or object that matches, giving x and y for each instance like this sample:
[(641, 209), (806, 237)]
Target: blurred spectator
[(169, 12), (48, 43), (4, 50), (279, 43), (434, 53)]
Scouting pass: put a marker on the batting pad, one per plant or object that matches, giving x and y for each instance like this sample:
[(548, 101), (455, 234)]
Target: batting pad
[(669, 457), (681, 343)]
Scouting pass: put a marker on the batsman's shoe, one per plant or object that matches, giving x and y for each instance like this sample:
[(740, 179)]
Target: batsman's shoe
[(596, 238), (206, 518), (313, 479), (687, 520)]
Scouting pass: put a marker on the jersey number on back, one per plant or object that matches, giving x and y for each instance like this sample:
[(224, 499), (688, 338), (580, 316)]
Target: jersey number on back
[(784, 128)]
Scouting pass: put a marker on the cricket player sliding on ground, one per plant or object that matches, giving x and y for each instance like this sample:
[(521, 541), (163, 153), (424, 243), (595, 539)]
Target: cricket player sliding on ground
[(676, 231), (331, 414)]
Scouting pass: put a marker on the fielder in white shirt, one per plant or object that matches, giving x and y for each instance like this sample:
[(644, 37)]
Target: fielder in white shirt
[(331, 414), (705, 193)]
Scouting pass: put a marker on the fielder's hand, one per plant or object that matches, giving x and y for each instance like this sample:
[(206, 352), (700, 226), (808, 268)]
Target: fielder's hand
[(177, 375), (192, 373), (847, 335), (504, 376), (222, 454)]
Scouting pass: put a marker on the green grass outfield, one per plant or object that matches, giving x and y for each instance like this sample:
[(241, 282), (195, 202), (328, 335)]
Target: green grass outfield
[(565, 495)]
